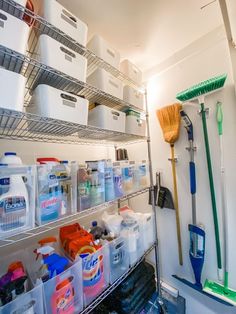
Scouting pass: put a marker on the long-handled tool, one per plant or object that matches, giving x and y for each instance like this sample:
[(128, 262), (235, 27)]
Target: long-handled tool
[(198, 92), (197, 234), (214, 288), (169, 119)]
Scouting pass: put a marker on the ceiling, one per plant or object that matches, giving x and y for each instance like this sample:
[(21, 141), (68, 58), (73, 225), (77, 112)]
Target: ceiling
[(147, 32)]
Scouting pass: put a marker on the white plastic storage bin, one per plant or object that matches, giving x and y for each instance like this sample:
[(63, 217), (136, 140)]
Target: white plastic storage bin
[(53, 12), (17, 199), (133, 97), (96, 272), (131, 232), (9, 27), (107, 118), (64, 293), (106, 82), (131, 71), (55, 197), (11, 98), (55, 55), (28, 303), (53, 103), (134, 124), (103, 50), (119, 258)]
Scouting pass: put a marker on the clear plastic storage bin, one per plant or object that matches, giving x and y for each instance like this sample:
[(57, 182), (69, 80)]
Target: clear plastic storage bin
[(118, 180), (141, 175), (146, 225), (97, 182), (95, 274), (53, 103), (107, 118), (119, 258), (128, 182), (103, 50), (56, 197), (106, 82), (28, 303), (131, 232), (11, 25), (59, 57), (133, 97), (53, 12), (131, 71), (17, 199), (64, 293)]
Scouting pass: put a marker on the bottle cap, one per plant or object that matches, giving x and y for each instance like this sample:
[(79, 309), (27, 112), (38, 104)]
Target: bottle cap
[(64, 161), (10, 154), (94, 223)]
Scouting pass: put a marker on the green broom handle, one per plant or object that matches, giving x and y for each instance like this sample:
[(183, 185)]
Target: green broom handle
[(213, 198)]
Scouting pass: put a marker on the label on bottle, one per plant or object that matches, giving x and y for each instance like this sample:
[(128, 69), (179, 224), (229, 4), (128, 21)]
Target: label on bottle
[(13, 204), (92, 269)]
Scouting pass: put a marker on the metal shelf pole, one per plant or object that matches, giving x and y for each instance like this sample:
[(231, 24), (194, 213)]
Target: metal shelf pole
[(157, 260)]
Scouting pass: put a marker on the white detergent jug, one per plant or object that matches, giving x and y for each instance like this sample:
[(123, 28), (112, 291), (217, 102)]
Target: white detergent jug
[(14, 206), (10, 158)]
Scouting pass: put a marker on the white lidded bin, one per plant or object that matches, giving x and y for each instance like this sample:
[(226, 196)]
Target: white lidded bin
[(53, 12), (11, 98), (17, 199), (119, 258), (53, 103), (133, 97), (106, 82), (29, 303), (55, 55), (64, 293), (103, 50), (107, 118), (9, 27), (129, 69), (134, 124)]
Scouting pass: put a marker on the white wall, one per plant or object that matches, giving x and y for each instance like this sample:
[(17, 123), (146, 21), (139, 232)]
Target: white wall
[(213, 59)]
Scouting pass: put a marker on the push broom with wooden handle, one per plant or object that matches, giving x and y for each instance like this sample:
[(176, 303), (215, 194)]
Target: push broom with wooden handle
[(170, 120)]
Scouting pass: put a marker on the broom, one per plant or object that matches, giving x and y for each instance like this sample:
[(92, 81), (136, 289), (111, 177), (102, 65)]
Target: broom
[(169, 119)]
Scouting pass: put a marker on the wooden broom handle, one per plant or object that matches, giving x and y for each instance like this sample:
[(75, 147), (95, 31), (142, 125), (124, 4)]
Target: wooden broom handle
[(176, 203)]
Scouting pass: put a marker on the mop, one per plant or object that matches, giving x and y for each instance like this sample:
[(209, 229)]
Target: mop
[(198, 92), (197, 234), (169, 119), (214, 288)]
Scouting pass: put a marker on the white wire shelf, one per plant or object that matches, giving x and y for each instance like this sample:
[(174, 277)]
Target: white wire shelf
[(41, 26), (17, 125), (37, 73), (112, 287), (29, 234)]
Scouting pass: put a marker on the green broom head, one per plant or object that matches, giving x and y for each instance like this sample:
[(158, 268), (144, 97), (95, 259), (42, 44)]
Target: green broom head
[(202, 88), (220, 291)]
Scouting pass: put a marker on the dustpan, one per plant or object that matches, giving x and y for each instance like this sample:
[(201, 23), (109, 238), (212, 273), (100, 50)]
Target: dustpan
[(162, 195)]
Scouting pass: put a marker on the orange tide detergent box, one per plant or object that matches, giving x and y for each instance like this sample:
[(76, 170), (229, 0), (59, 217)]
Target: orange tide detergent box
[(78, 242)]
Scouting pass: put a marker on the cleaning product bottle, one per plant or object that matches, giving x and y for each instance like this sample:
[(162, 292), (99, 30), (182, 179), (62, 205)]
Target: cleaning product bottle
[(10, 158), (118, 181), (96, 231), (109, 182), (14, 199)]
